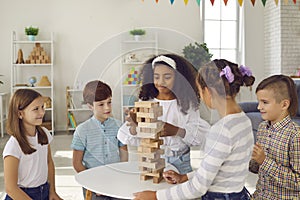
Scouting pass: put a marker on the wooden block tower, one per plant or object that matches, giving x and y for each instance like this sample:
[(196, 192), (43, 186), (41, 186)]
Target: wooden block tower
[(38, 55), (151, 164)]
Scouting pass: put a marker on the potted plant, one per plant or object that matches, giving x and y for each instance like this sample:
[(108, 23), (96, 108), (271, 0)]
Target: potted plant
[(197, 54), (137, 33), (31, 32)]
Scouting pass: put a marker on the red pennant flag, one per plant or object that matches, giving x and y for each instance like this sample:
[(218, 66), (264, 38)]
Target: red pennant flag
[(156, 1), (253, 2), (264, 2), (172, 1), (212, 2), (225, 2), (294, 1), (186, 2), (198, 2)]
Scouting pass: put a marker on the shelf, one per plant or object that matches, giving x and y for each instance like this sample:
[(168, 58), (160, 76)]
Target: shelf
[(74, 90), (133, 63), (29, 87), (32, 42), (131, 85), (33, 65), (79, 109)]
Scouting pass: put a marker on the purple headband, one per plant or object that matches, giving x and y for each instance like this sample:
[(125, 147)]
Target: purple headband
[(245, 71), (228, 74)]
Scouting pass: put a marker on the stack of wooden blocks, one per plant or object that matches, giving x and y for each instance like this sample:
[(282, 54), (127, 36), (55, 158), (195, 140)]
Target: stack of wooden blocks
[(151, 164), (38, 55)]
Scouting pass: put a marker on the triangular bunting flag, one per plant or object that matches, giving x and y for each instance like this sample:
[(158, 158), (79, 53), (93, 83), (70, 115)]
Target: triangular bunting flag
[(198, 2), (212, 2), (286, 2), (294, 1), (240, 2), (225, 2), (276, 2), (172, 1), (264, 2), (156, 1), (253, 2), (186, 2)]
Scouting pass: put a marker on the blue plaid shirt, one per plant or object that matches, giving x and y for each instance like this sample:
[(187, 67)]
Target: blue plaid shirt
[(98, 141)]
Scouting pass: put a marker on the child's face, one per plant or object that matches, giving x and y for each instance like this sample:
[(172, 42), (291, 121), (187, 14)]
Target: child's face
[(164, 78), (269, 108), (102, 109), (33, 114)]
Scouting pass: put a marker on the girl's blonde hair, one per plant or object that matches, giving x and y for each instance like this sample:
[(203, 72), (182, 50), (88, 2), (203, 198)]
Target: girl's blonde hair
[(19, 101)]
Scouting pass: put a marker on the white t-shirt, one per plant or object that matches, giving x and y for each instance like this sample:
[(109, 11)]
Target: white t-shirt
[(33, 168)]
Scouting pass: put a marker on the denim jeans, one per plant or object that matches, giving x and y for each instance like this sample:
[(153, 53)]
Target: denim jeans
[(181, 162), (37, 193), (243, 195)]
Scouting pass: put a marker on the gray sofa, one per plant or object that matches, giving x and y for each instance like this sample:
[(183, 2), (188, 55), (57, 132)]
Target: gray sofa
[(250, 108)]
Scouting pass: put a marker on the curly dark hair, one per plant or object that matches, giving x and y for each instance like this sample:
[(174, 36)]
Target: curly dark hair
[(209, 76), (184, 89)]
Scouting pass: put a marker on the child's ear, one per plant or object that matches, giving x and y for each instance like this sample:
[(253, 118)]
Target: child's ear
[(285, 104)]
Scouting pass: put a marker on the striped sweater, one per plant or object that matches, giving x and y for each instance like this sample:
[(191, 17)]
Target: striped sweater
[(224, 166)]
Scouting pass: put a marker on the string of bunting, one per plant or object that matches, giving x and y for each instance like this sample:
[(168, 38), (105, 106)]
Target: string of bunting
[(225, 2)]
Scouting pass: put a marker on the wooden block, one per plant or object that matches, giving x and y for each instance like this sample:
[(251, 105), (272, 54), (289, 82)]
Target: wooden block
[(146, 104), (147, 135), (152, 155), (142, 149), (155, 144), (156, 125), (160, 163), (157, 179)]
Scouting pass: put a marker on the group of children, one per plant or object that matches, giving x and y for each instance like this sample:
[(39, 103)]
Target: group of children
[(227, 146)]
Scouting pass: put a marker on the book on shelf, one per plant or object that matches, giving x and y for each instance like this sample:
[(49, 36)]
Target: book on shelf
[(71, 102), (72, 120)]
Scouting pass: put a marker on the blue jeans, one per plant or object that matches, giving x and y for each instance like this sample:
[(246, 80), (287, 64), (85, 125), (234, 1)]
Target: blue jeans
[(243, 195), (37, 193), (181, 162)]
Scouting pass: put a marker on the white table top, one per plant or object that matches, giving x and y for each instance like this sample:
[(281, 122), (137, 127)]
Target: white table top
[(118, 180)]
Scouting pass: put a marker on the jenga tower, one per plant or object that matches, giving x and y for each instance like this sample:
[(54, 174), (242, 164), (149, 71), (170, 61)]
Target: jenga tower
[(150, 162)]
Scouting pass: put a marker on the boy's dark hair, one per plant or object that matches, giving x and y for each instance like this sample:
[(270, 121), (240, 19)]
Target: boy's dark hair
[(96, 91), (284, 88), (184, 89), (209, 76)]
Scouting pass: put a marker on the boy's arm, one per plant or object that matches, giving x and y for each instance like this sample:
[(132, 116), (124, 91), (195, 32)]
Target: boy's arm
[(123, 153), (77, 161), (288, 177)]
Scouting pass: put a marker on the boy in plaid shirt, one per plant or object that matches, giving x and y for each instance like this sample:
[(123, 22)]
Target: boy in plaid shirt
[(277, 150)]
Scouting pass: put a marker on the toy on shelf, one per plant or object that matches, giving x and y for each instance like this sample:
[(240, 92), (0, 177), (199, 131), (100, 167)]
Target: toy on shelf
[(38, 56), (150, 162), (44, 82), (132, 77), (20, 59)]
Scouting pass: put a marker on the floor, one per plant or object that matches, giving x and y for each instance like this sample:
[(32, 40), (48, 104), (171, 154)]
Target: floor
[(66, 186)]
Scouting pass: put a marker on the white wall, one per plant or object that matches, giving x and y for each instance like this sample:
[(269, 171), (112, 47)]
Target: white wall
[(81, 26)]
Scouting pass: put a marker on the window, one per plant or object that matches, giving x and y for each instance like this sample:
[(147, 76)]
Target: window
[(221, 29)]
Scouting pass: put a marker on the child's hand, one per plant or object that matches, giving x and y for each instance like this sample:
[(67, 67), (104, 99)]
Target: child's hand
[(131, 121), (54, 196), (173, 177), (145, 195), (258, 154), (171, 130)]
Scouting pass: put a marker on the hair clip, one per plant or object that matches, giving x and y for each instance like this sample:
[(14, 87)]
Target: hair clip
[(228, 74), (165, 59), (245, 70)]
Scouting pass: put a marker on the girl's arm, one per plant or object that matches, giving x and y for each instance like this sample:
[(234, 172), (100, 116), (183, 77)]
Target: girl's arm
[(123, 153), (51, 177), (11, 165), (77, 161)]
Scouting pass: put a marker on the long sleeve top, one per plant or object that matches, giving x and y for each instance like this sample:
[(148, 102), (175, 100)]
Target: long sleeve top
[(224, 166), (279, 174)]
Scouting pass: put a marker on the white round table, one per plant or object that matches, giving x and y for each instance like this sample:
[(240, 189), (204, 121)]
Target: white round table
[(118, 180)]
